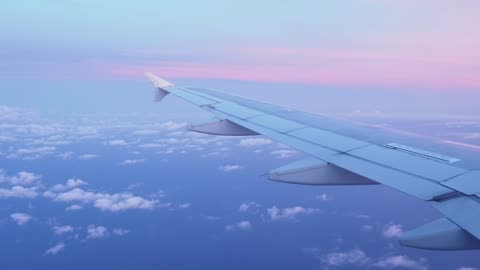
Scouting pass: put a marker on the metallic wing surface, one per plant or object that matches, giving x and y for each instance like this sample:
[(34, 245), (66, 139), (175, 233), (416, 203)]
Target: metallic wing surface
[(344, 153)]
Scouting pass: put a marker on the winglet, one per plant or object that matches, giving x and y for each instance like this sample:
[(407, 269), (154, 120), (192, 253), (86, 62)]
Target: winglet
[(161, 85), (159, 82)]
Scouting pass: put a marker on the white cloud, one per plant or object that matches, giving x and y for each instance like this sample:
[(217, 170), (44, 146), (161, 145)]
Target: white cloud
[(120, 231), (467, 268), (18, 192), (70, 184), (87, 156), (170, 125), (393, 231), (244, 207), (66, 155), (290, 213), (174, 141), (117, 143), (4, 139), (55, 249), (104, 201), (254, 142), (21, 218), (31, 153), (355, 257), (243, 225), (152, 145), (358, 258), (94, 232), (74, 207), (230, 168), (60, 230), (184, 205), (146, 132), (22, 178), (322, 197), (401, 262), (367, 228), (132, 161), (283, 153)]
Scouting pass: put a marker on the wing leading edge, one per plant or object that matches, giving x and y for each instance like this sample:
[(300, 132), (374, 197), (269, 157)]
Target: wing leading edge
[(340, 159)]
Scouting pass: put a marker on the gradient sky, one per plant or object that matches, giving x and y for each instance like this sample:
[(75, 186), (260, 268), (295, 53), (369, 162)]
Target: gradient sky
[(389, 44)]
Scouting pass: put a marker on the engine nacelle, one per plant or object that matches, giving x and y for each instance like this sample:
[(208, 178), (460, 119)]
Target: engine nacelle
[(312, 171)]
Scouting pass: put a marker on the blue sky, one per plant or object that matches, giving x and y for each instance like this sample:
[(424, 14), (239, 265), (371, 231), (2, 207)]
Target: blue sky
[(95, 175)]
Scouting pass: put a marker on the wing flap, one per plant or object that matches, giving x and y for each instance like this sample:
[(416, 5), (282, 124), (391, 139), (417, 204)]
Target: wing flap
[(463, 211), (468, 183), (418, 187)]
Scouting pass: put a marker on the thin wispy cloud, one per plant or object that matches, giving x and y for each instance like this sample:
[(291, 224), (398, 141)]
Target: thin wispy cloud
[(54, 250), (21, 218)]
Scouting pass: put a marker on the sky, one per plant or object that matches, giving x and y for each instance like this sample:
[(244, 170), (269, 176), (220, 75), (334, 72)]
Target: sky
[(431, 44), (93, 174)]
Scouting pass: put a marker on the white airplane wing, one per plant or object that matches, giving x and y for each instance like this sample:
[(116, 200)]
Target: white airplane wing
[(347, 154)]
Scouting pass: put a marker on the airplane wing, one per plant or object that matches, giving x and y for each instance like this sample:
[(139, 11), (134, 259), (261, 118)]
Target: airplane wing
[(343, 153)]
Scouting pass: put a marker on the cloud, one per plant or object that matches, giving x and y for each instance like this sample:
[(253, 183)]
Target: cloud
[(367, 228), (184, 205), (467, 268), (393, 231), (66, 155), (244, 207), (358, 258), (151, 145), (31, 153), (21, 218), (230, 168), (5, 139), (60, 230), (22, 178), (87, 156), (18, 192), (95, 232), (401, 261), (55, 249), (290, 213), (132, 161), (283, 153), (104, 201), (146, 132), (322, 197), (170, 125), (117, 143), (213, 218), (74, 207), (120, 231), (243, 225), (354, 257), (70, 184), (254, 142)]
